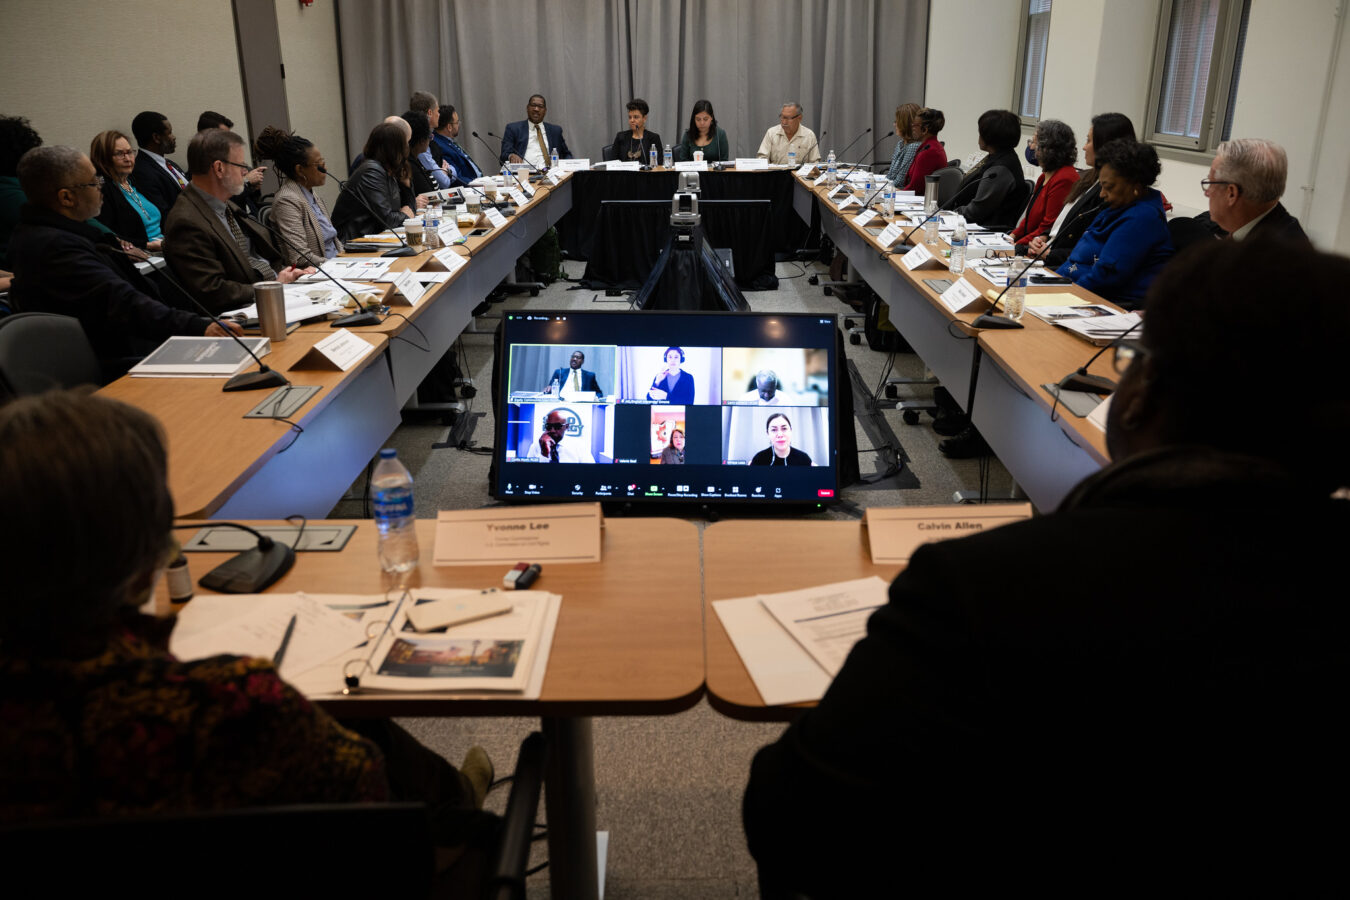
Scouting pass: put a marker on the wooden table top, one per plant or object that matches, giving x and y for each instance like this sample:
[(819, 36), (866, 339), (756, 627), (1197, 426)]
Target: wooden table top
[(630, 633), (207, 463), (748, 557)]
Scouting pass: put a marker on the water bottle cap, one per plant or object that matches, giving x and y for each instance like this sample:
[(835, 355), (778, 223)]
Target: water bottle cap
[(388, 453)]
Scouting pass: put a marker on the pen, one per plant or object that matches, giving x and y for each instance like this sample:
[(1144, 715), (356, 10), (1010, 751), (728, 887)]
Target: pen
[(285, 642)]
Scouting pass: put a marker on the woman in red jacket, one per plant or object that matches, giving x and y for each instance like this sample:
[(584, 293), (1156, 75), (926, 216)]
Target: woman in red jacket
[(931, 156), (1054, 148)]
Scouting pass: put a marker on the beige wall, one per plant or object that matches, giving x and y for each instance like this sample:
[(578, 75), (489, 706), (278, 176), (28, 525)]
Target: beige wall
[(75, 69), (314, 82)]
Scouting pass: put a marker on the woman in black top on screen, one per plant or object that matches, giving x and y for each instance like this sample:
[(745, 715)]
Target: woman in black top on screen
[(780, 451)]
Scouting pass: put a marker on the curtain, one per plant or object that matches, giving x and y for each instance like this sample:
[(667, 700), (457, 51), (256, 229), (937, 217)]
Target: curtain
[(848, 62)]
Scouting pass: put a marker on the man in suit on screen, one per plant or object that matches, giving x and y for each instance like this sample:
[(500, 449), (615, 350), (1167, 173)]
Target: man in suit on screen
[(574, 378)]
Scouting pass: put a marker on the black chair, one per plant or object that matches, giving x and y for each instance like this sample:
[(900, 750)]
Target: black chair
[(607, 153), (507, 881), (41, 351), (949, 179)]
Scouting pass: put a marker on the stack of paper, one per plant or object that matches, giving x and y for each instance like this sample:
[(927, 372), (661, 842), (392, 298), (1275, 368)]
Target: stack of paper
[(200, 357)]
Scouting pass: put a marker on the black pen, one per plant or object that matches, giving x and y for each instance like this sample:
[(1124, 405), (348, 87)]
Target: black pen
[(285, 642)]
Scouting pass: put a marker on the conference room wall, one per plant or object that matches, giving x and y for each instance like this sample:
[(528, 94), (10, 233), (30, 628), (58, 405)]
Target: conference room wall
[(1099, 59), (850, 62), (314, 82)]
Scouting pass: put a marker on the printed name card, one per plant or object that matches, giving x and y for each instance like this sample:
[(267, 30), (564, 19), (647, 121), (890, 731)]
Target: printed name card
[(452, 261), (692, 165), (625, 165), (562, 533), (806, 170), (916, 257), (407, 287), (449, 234), (850, 200), (517, 197), (820, 179), (574, 165), (864, 217), (895, 533), (751, 164), (836, 190), (495, 217), (891, 234), (960, 295), (340, 350), (555, 175)]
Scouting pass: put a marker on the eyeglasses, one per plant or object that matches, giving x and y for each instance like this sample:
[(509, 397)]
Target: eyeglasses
[(127, 152), (554, 426), (789, 118), (230, 162), (1205, 185), (1127, 350), (97, 182)]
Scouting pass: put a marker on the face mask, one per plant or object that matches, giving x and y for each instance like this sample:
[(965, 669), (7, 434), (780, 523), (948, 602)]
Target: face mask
[(1030, 154)]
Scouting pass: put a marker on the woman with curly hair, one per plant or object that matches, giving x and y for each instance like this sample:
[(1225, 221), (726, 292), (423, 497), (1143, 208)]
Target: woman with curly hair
[(1127, 244), (1052, 147)]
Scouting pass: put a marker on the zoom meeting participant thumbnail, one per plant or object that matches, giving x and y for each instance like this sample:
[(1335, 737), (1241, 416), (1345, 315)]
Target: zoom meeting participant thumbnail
[(674, 375), (561, 432), (668, 435), (780, 436), (775, 376), (577, 374)]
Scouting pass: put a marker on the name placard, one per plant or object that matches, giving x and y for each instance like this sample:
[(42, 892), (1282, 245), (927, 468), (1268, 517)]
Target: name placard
[(864, 217), (494, 217), (452, 261), (850, 200), (407, 287), (561, 533), (960, 296), (919, 256), (751, 164), (574, 165), (806, 170), (820, 179), (340, 350), (891, 234), (517, 197), (555, 175), (895, 533), (692, 165), (626, 165)]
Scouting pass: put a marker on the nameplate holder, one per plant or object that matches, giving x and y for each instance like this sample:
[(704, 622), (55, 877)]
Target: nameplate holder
[(919, 256), (452, 261), (806, 170), (339, 351), (560, 533), (692, 165), (518, 198), (893, 534), (751, 164), (407, 289), (961, 296), (494, 217), (891, 234), (555, 175), (850, 200), (864, 217), (820, 179), (625, 165), (574, 165)]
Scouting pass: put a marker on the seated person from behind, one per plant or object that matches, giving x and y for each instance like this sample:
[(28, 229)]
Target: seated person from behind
[(574, 378), (634, 144), (994, 191), (372, 200), (550, 444), (298, 214), (1128, 243), (789, 136), (672, 384), (216, 250), (673, 453), (64, 265), (532, 139), (1245, 183), (704, 136), (126, 212), (1126, 710), (17, 137), (780, 451)]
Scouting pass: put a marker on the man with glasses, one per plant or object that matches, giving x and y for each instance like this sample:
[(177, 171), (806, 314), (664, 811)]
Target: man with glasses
[(532, 139), (66, 266), (550, 446), (157, 177), (789, 136), (213, 247), (1244, 186)]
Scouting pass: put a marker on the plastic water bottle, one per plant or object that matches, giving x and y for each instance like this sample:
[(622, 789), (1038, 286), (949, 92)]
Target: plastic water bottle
[(957, 264), (792, 160), (555, 388), (651, 157), (669, 159), (888, 199), (392, 486), (833, 168), (930, 230), (553, 158), (1015, 300), (431, 223)]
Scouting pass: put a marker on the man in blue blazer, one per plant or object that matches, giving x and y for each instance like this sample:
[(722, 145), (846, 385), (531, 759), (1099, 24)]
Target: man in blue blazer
[(521, 140), (157, 177), (462, 166), (569, 378)]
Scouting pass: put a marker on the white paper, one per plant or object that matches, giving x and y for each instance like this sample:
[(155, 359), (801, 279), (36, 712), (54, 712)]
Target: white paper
[(782, 670), (494, 217), (354, 269), (343, 348), (820, 179), (751, 164), (864, 217), (916, 257), (406, 283), (960, 295), (517, 197), (433, 277), (303, 301), (692, 165), (555, 175), (850, 200), (891, 234), (452, 261), (626, 165), (806, 169), (1098, 416), (828, 620), (574, 165)]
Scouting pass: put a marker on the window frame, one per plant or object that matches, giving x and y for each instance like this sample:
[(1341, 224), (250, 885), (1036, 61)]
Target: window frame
[(1218, 92), (1020, 71)]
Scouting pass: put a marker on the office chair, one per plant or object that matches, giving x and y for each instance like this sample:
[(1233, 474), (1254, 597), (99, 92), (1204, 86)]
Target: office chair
[(40, 351), (949, 179), (507, 881), (607, 153)]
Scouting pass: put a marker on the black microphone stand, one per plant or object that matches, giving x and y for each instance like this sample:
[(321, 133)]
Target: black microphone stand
[(365, 316)]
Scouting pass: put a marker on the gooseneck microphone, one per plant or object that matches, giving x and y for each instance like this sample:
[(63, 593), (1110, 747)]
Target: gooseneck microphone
[(865, 131), (853, 167), (501, 146), (244, 381), (1080, 380), (405, 250), (365, 317)]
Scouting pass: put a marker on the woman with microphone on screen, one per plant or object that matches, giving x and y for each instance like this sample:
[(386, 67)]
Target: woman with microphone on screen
[(780, 451)]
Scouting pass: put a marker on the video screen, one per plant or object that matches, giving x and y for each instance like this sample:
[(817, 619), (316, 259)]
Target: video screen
[(656, 406)]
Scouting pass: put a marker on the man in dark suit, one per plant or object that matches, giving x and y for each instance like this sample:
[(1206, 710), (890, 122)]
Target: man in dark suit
[(533, 139), (68, 267), (211, 245), (574, 378), (1244, 186), (157, 177), (462, 167)]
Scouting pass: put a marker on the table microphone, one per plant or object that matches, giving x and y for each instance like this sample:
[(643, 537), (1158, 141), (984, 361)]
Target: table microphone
[(501, 145), (251, 571), (854, 167), (244, 381), (904, 241), (1080, 380), (366, 316), (405, 250)]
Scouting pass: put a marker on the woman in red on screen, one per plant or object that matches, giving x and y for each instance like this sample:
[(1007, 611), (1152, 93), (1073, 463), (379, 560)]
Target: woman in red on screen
[(673, 454), (780, 451)]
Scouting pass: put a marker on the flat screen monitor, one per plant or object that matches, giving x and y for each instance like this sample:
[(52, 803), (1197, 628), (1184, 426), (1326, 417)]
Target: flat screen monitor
[(705, 407)]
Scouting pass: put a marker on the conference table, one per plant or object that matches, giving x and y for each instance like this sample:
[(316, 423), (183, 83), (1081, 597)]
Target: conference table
[(625, 644), (1046, 456)]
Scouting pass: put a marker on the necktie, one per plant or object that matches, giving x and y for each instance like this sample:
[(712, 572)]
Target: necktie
[(543, 147), (177, 173), (576, 380), (266, 271), (553, 453)]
